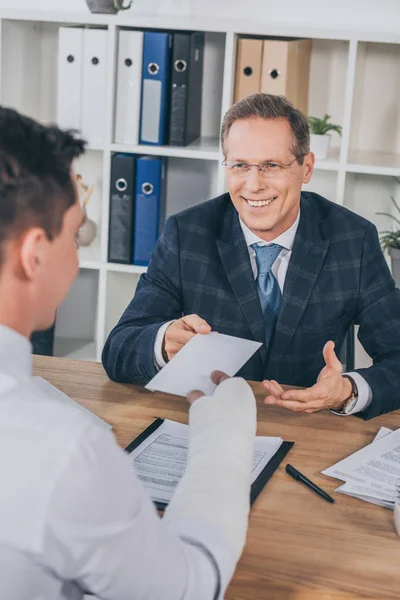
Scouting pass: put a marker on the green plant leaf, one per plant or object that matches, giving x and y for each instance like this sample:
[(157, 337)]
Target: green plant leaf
[(395, 203), (322, 126), (390, 216)]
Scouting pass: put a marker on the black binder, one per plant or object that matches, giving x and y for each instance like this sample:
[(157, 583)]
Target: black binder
[(186, 87), (122, 194), (43, 342), (256, 486)]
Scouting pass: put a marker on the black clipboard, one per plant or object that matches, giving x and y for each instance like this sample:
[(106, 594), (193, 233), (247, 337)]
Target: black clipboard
[(256, 486)]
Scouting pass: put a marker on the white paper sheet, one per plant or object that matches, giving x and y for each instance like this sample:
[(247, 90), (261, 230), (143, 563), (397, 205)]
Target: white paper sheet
[(160, 460), (191, 367), (367, 492), (372, 472), (59, 396), (381, 433)]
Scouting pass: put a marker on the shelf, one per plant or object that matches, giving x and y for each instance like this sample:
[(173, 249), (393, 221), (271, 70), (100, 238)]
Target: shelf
[(75, 349), (93, 147), (117, 268), (331, 163), (373, 163), (202, 149), (213, 23), (89, 256)]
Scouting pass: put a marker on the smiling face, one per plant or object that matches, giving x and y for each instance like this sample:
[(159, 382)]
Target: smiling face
[(267, 203)]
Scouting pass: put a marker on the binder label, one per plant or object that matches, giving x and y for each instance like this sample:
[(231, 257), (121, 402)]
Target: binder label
[(151, 110)]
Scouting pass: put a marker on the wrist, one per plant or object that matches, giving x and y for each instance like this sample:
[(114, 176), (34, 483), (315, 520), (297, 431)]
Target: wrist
[(347, 390), (350, 395)]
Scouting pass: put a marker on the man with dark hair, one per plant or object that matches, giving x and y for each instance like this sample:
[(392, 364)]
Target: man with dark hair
[(73, 515), (269, 262)]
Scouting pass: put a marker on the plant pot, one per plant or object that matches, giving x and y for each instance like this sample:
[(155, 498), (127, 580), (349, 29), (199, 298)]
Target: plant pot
[(394, 254), (102, 6), (319, 144)]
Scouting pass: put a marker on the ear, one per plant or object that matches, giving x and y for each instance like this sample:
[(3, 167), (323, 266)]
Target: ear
[(308, 166), (33, 244)]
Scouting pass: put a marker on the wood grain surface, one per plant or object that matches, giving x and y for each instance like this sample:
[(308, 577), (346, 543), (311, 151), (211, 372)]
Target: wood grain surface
[(298, 546)]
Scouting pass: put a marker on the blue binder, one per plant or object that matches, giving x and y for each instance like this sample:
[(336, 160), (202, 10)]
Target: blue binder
[(155, 88), (149, 207)]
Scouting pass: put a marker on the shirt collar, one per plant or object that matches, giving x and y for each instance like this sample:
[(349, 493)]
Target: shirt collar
[(285, 239), (15, 351)]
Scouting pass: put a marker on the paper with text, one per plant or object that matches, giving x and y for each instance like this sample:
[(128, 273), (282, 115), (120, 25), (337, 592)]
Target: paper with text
[(367, 492), (375, 467), (160, 460), (191, 367)]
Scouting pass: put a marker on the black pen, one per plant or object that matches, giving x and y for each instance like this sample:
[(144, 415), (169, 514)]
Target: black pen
[(300, 477)]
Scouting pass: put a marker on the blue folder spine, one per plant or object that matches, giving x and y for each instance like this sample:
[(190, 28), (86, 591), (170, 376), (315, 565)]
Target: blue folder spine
[(156, 68), (149, 207)]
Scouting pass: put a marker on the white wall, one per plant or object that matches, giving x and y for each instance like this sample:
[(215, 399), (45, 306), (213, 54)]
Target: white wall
[(355, 14)]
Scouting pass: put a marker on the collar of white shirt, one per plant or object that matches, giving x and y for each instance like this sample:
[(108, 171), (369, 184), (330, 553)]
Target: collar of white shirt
[(285, 239), (15, 351)]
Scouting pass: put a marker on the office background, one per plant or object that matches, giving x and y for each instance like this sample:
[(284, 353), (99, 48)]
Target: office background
[(354, 76)]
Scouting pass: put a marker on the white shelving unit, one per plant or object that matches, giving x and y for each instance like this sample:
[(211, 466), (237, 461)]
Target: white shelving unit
[(354, 77)]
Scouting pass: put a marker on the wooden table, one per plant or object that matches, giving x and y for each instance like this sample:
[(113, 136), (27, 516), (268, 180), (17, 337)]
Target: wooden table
[(298, 546)]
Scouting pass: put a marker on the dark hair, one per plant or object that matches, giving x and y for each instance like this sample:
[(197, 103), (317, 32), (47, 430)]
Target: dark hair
[(269, 106), (36, 187)]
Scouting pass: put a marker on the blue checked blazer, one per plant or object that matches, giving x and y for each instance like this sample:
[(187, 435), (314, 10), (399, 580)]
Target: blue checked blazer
[(337, 276)]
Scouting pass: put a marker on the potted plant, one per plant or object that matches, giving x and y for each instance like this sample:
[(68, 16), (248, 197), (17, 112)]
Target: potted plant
[(390, 241), (108, 6), (319, 136)]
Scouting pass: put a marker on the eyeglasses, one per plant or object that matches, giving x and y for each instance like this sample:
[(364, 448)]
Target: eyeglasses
[(268, 169)]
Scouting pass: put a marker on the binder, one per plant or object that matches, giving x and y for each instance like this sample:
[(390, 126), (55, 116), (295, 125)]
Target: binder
[(94, 88), (129, 79), (149, 207), (122, 194), (286, 70), (155, 88), (186, 87), (43, 342), (248, 67), (69, 90), (256, 486)]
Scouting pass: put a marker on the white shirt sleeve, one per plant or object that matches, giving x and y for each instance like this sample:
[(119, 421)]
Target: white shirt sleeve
[(103, 531), (105, 534), (158, 344), (364, 395)]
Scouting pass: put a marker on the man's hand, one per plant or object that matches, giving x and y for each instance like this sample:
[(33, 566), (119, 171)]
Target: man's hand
[(180, 332), (330, 391), (217, 377)]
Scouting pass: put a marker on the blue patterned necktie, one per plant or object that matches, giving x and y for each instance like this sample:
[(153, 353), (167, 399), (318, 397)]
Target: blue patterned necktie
[(268, 288)]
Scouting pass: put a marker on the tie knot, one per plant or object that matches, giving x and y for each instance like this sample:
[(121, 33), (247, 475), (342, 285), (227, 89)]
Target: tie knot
[(266, 256)]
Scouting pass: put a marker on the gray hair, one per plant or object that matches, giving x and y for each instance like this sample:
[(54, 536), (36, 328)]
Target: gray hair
[(269, 106)]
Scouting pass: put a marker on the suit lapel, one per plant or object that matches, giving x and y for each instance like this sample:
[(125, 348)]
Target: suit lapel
[(308, 256), (235, 260)]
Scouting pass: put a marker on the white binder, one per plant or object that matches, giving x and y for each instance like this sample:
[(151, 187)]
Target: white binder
[(69, 93), (94, 87), (129, 81)]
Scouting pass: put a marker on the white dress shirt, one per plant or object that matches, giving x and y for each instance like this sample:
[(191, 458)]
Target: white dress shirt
[(279, 270), (74, 516)]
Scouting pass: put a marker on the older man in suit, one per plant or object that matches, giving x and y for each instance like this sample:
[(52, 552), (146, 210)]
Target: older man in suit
[(269, 262)]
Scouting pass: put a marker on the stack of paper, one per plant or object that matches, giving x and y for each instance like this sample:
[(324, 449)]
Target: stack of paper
[(373, 473)]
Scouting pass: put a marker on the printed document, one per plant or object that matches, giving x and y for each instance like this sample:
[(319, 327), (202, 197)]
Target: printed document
[(372, 473), (160, 460)]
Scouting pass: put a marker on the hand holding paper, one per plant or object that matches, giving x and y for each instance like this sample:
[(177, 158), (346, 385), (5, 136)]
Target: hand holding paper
[(191, 367)]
